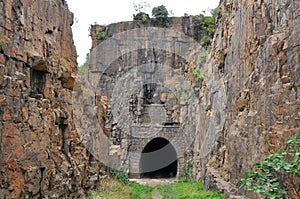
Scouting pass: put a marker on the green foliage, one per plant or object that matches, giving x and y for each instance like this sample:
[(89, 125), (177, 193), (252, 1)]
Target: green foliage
[(264, 178), (198, 74), (205, 41), (2, 48), (161, 16), (179, 190), (120, 175), (141, 7), (140, 191), (83, 68), (202, 57), (111, 189), (215, 13), (101, 34), (187, 190), (208, 26), (186, 172), (144, 18)]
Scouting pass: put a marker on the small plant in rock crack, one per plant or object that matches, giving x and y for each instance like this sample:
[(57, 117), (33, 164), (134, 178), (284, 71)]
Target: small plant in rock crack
[(120, 175), (2, 48), (268, 177), (144, 18), (186, 171), (101, 34), (198, 74)]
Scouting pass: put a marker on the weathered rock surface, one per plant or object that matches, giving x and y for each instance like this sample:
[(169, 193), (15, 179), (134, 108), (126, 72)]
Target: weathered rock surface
[(41, 155), (252, 85), (145, 73), (249, 98)]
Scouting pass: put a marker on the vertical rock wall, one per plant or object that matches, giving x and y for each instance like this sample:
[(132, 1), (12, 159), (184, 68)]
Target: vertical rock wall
[(41, 155), (253, 86), (159, 62)]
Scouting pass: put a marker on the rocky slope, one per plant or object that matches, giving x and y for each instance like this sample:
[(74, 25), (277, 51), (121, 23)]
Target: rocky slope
[(251, 93), (41, 155)]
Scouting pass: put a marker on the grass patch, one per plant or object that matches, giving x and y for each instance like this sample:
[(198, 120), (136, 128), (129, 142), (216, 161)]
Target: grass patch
[(187, 190), (112, 189)]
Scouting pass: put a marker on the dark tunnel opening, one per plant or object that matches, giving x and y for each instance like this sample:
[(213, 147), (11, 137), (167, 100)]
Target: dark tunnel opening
[(159, 159)]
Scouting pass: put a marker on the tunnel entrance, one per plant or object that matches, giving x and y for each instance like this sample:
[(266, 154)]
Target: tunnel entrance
[(159, 159)]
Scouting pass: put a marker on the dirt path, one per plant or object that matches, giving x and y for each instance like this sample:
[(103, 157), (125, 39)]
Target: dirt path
[(154, 182), (156, 194)]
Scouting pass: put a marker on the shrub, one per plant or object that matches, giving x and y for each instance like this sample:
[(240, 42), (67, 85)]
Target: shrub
[(2, 48), (161, 15), (198, 74), (264, 179), (144, 18), (208, 26), (186, 171), (120, 175), (101, 33), (140, 9)]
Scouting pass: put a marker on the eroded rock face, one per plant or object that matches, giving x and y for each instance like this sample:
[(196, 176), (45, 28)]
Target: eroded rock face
[(253, 84), (41, 155), (145, 71)]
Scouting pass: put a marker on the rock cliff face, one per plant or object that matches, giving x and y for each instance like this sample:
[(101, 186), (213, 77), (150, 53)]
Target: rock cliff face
[(145, 73), (41, 155), (248, 99), (252, 90)]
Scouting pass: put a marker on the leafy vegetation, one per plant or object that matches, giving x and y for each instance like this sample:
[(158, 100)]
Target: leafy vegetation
[(187, 190), (140, 10), (186, 172), (120, 175), (144, 18), (161, 16), (198, 74), (112, 189), (267, 177), (208, 25), (101, 33), (2, 48), (83, 68), (141, 7), (207, 22)]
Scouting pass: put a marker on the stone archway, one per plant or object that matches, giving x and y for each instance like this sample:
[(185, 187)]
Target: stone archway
[(159, 159)]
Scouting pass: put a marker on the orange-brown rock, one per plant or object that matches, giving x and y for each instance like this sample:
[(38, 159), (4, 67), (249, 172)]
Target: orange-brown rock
[(41, 155), (254, 64)]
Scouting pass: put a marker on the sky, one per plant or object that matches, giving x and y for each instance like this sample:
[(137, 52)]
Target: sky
[(104, 12)]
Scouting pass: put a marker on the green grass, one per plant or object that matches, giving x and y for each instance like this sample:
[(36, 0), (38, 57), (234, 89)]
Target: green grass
[(112, 189)]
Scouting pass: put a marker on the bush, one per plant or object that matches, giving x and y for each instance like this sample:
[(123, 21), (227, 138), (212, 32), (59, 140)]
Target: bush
[(161, 15), (120, 175), (198, 74), (264, 179), (144, 18), (208, 26), (186, 172), (101, 34)]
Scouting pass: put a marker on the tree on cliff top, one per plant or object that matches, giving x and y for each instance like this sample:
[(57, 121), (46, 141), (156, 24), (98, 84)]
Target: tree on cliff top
[(161, 15)]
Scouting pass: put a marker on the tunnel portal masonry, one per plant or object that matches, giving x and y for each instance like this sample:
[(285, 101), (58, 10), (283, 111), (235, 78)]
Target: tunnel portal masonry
[(138, 76)]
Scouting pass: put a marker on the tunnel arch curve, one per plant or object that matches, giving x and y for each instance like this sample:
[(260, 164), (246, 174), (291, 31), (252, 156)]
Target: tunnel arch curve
[(159, 159)]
